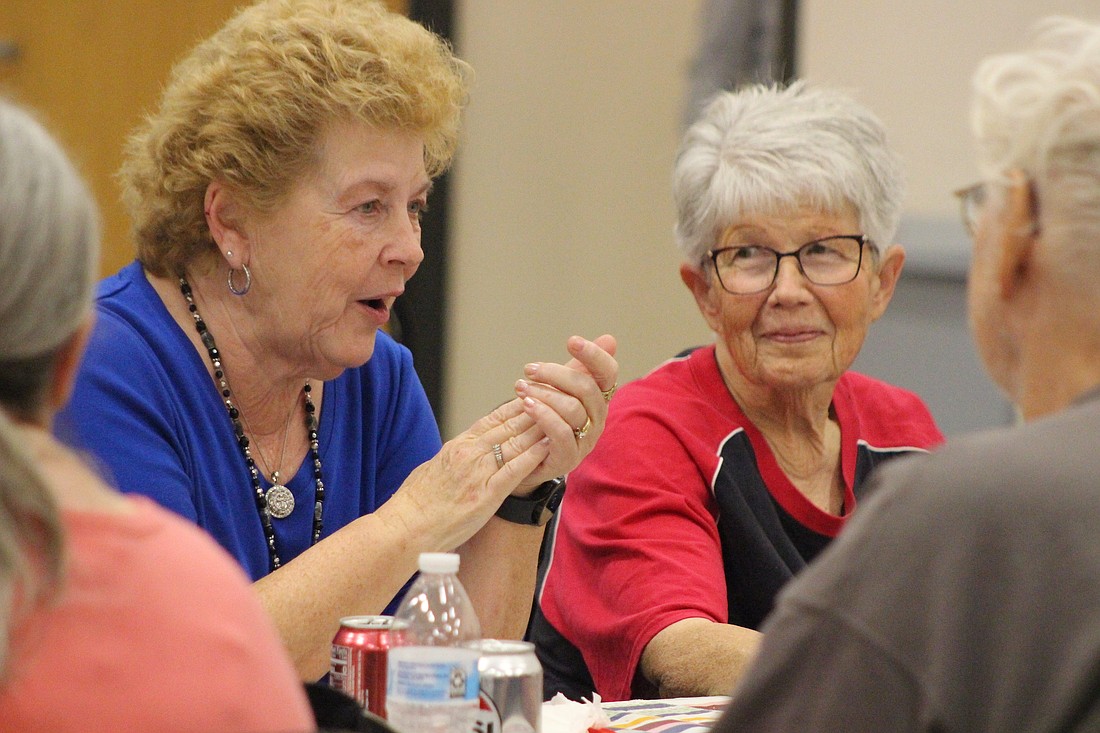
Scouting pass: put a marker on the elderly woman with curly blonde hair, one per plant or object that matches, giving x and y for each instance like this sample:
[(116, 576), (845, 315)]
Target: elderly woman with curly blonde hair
[(238, 373)]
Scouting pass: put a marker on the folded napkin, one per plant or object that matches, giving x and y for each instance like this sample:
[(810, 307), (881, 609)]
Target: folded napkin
[(562, 715)]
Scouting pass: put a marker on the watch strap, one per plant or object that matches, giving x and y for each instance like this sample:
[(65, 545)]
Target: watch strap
[(536, 508)]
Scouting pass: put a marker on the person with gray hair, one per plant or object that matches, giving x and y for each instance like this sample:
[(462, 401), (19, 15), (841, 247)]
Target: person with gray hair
[(964, 595), (114, 614), (722, 473)]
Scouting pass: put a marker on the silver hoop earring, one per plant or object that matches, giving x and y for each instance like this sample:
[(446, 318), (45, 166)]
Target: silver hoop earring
[(247, 281)]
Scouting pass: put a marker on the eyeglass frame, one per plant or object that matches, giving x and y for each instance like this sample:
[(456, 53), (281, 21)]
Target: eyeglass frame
[(862, 239), (974, 196), (971, 199)]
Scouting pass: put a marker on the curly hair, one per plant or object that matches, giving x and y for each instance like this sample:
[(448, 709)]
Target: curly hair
[(249, 105)]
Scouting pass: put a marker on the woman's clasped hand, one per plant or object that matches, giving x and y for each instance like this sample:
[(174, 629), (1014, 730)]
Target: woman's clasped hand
[(452, 495)]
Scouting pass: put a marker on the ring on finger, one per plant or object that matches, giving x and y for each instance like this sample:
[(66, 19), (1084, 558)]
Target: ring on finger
[(608, 392), (583, 431), (498, 454)]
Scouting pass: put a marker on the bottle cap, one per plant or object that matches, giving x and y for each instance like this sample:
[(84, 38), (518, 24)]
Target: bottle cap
[(438, 562)]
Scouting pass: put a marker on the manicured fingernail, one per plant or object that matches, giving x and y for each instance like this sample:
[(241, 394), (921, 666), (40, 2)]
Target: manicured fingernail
[(531, 370), (528, 403), (521, 387)]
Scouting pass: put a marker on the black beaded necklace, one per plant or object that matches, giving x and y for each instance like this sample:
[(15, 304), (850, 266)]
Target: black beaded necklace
[(278, 501)]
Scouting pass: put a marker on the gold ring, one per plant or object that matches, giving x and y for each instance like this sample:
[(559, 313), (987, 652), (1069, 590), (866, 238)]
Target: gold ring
[(583, 431), (608, 392), (498, 454)]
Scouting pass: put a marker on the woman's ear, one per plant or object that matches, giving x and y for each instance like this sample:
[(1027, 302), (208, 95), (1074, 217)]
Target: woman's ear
[(886, 280), (224, 217), (705, 297), (1019, 233)]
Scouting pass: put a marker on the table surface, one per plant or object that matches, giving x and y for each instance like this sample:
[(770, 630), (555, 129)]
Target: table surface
[(675, 715)]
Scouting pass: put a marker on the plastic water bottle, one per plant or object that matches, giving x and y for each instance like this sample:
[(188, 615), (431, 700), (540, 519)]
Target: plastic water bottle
[(431, 677)]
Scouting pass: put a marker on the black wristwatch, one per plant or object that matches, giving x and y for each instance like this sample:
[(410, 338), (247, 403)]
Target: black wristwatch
[(536, 508)]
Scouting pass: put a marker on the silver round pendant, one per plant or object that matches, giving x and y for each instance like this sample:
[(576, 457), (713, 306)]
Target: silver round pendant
[(280, 502)]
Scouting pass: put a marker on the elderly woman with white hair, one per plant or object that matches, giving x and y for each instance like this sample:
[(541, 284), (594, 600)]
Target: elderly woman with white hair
[(964, 595), (724, 472)]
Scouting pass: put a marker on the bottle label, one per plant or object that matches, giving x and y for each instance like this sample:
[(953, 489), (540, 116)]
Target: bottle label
[(432, 674)]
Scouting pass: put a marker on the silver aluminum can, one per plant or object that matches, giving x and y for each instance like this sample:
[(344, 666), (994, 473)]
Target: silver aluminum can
[(511, 687)]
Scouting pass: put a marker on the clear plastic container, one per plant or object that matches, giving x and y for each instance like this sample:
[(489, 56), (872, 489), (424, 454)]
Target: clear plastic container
[(432, 676)]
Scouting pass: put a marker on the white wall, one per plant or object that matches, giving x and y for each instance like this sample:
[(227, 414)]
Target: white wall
[(562, 211), (562, 206)]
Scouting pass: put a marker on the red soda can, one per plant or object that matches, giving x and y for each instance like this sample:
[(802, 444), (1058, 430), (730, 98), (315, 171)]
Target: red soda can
[(358, 662)]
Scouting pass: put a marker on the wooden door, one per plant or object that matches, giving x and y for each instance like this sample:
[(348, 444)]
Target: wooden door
[(91, 68)]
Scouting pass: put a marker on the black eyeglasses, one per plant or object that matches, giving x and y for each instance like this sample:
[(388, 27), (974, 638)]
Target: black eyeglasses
[(752, 268), (971, 199)]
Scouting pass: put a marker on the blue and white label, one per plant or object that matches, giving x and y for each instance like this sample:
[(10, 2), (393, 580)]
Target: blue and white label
[(432, 674)]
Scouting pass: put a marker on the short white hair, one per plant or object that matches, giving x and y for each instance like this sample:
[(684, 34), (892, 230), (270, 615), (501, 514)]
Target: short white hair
[(1038, 110), (767, 148)]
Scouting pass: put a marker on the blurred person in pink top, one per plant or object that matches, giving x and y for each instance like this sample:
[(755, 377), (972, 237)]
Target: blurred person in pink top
[(115, 615)]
